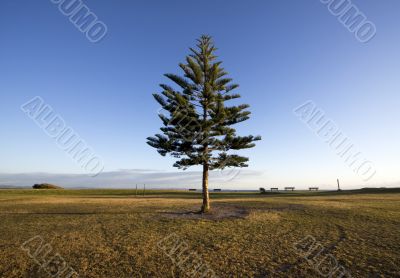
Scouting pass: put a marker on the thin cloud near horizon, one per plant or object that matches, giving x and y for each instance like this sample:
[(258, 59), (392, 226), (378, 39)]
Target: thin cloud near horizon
[(127, 178)]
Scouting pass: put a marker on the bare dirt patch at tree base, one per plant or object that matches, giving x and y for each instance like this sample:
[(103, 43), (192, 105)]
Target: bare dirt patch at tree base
[(217, 212), (222, 211)]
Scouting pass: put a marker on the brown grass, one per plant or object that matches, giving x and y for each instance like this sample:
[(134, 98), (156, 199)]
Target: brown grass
[(114, 235)]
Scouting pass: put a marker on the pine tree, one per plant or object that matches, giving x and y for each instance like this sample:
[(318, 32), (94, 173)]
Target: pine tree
[(197, 126)]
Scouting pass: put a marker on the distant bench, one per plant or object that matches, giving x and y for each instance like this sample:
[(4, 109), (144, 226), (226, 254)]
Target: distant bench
[(274, 188), (217, 190), (289, 188), (192, 189), (313, 188)]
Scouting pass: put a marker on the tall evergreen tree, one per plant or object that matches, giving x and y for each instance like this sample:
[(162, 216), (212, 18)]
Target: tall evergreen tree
[(197, 126)]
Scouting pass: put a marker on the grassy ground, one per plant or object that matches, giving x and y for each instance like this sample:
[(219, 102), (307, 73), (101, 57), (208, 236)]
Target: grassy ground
[(113, 233)]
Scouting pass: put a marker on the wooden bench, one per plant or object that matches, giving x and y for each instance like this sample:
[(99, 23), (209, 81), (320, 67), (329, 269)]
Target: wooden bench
[(313, 188), (274, 189), (289, 188)]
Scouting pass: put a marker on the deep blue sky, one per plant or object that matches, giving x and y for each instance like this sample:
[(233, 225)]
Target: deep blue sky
[(281, 52)]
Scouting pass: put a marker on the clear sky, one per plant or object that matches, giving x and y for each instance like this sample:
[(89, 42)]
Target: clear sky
[(282, 53)]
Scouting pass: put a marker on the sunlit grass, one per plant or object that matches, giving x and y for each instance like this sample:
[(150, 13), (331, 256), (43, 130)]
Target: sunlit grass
[(114, 233)]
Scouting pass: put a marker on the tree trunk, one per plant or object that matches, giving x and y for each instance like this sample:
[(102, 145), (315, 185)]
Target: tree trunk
[(206, 198)]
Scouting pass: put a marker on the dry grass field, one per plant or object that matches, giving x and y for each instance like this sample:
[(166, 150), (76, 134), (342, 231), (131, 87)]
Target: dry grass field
[(113, 233)]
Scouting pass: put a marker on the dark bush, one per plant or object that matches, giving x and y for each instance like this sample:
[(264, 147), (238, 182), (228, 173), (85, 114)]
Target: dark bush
[(46, 186)]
